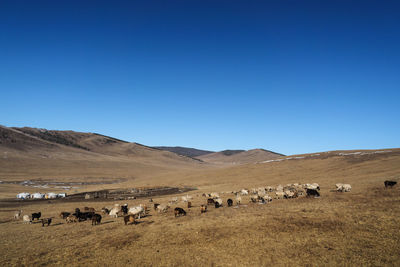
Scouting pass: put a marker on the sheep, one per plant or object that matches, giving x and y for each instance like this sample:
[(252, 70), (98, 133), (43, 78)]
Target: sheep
[(129, 218), (114, 211), (179, 212), (162, 208), (230, 202), (36, 215), (238, 200), (279, 194), (46, 221), (105, 210), (214, 195), (254, 199), (87, 209), (244, 192), (64, 214), (71, 219), (26, 219), (124, 209), (155, 206), (210, 201), (136, 211), (17, 215), (203, 208)]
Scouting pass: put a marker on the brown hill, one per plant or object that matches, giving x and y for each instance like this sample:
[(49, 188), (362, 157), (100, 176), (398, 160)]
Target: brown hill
[(34, 153), (239, 156)]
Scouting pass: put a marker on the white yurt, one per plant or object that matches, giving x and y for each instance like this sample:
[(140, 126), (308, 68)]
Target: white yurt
[(51, 195), (62, 195), (37, 195), (23, 195)]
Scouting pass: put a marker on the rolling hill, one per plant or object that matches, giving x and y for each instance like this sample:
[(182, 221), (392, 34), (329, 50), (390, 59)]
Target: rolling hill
[(239, 156), (185, 151)]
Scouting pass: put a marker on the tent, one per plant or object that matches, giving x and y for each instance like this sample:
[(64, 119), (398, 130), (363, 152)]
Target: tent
[(23, 195)]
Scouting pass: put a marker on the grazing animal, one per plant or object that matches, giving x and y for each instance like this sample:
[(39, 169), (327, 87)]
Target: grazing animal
[(124, 209), (137, 211), (87, 209), (114, 211), (26, 219), (105, 211), (36, 215), (203, 208), (189, 204), (129, 218), (312, 192), (162, 208), (17, 215), (238, 200), (155, 206), (179, 212), (279, 194), (64, 214), (210, 201), (96, 219), (390, 183), (71, 219), (343, 187), (230, 202), (217, 205), (254, 199), (46, 221)]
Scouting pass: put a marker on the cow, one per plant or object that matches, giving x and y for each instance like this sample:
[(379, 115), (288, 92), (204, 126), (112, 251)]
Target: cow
[(230, 202), (312, 192), (46, 221), (96, 219), (64, 214), (203, 208), (179, 212), (390, 184), (129, 218), (36, 215)]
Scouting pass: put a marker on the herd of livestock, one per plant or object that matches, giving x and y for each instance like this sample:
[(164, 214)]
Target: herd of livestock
[(260, 195)]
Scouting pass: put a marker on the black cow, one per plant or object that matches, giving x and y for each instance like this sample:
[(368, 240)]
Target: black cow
[(36, 215), (390, 183), (230, 202), (312, 192), (46, 221), (96, 219), (179, 212)]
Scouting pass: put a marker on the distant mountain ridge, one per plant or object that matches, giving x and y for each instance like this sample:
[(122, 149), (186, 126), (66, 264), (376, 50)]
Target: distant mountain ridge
[(185, 151)]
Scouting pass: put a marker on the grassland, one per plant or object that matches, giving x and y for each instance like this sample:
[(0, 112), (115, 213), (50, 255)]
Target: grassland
[(346, 229)]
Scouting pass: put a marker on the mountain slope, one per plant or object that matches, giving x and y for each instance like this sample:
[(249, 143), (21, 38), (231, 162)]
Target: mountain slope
[(185, 151), (31, 152), (239, 156)]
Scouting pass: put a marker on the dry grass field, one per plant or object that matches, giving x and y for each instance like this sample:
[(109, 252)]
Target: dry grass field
[(358, 228)]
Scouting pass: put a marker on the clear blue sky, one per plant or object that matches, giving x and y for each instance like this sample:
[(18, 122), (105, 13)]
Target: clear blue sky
[(288, 76)]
